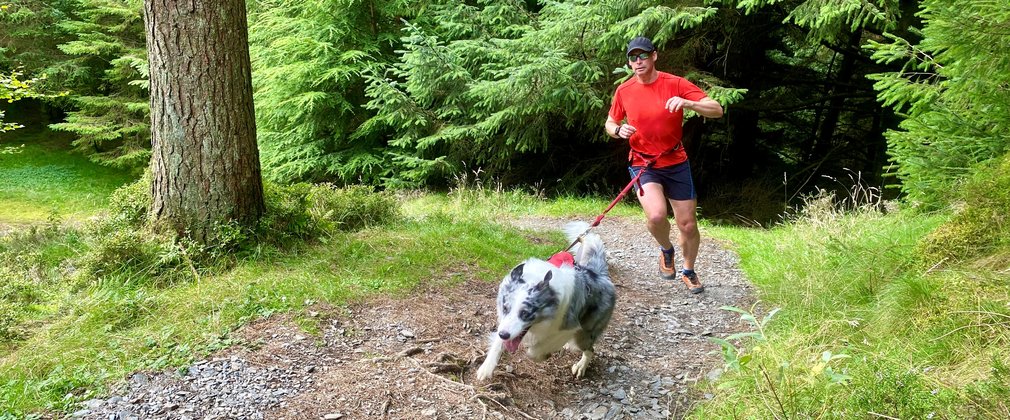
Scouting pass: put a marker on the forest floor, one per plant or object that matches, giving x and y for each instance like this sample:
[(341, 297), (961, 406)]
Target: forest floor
[(416, 357)]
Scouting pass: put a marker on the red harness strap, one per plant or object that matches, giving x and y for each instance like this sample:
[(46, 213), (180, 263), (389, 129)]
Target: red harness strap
[(561, 259)]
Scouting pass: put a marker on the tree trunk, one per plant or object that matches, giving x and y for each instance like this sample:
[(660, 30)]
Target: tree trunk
[(824, 140), (205, 164)]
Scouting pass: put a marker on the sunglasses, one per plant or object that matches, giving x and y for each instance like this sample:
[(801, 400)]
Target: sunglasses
[(640, 56)]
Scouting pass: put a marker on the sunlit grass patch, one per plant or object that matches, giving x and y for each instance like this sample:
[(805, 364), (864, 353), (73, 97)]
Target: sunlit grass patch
[(43, 177)]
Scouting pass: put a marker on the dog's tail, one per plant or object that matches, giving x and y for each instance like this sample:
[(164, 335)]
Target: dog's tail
[(589, 252)]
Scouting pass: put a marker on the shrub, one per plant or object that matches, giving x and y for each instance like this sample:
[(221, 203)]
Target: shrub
[(980, 226), (304, 211), (351, 208), (131, 256), (287, 214), (17, 295), (126, 249), (132, 202)]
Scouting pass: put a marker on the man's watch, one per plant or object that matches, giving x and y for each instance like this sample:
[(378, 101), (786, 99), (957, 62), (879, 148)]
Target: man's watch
[(617, 131)]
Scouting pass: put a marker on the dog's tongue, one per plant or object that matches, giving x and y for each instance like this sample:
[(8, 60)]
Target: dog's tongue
[(513, 344)]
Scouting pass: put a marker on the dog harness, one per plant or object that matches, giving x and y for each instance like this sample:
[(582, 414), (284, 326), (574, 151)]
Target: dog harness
[(561, 259)]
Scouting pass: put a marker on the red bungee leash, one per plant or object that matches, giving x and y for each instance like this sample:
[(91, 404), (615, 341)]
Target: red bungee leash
[(634, 180)]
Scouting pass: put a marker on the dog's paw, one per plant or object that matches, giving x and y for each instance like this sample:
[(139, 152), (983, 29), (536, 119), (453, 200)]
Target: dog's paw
[(579, 368), (485, 372)]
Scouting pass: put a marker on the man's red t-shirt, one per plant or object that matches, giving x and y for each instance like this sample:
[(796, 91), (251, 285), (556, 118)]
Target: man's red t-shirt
[(658, 129)]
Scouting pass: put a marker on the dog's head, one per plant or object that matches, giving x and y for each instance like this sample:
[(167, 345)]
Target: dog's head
[(523, 300)]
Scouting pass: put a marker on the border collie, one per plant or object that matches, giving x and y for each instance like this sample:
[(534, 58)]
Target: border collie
[(545, 307)]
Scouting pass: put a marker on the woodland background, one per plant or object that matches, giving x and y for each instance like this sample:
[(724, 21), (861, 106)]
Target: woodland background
[(907, 94)]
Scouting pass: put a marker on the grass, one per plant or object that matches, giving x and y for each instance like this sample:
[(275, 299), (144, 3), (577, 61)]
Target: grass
[(77, 336), (867, 325), (865, 328), (40, 178)]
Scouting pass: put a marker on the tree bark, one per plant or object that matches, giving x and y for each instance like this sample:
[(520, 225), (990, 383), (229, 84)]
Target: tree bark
[(205, 164)]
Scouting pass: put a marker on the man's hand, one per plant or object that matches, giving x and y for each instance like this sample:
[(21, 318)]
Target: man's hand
[(706, 107), (677, 103), (625, 131)]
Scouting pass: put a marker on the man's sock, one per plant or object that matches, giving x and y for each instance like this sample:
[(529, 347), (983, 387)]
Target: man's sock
[(688, 272)]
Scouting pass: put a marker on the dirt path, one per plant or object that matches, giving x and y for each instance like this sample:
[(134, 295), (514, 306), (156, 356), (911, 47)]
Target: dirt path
[(417, 358)]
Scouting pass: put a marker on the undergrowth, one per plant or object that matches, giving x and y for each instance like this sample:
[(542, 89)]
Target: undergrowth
[(866, 323)]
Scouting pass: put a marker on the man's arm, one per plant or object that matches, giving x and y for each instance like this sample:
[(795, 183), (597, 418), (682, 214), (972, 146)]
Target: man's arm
[(706, 107), (611, 127)]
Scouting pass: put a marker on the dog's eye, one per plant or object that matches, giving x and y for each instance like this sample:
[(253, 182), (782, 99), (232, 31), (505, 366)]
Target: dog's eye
[(525, 315), (505, 308)]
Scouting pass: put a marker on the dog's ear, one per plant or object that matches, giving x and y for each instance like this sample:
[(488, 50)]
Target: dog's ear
[(517, 273), (546, 283)]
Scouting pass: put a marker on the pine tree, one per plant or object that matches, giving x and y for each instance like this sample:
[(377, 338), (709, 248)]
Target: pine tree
[(495, 83), (954, 93), (308, 59), (91, 53), (107, 77)]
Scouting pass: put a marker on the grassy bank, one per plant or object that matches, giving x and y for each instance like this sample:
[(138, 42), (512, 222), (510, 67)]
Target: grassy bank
[(867, 326)]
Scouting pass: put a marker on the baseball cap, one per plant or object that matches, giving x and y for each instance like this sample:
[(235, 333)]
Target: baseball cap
[(640, 43)]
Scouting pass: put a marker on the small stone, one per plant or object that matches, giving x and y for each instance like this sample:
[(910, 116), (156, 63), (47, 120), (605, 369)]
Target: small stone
[(93, 404), (599, 413), (333, 416), (140, 379)]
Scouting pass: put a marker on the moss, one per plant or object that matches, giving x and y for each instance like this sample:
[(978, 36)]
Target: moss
[(980, 227)]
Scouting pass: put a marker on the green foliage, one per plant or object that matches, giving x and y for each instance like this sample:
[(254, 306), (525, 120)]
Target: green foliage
[(126, 249), (863, 328), (980, 226), (130, 257), (899, 392), (131, 203), (351, 208), (503, 86), (305, 211), (108, 78), (92, 54), (955, 91), (308, 59), (13, 89), (828, 20)]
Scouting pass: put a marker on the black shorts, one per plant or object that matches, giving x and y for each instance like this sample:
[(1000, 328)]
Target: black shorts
[(676, 180)]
